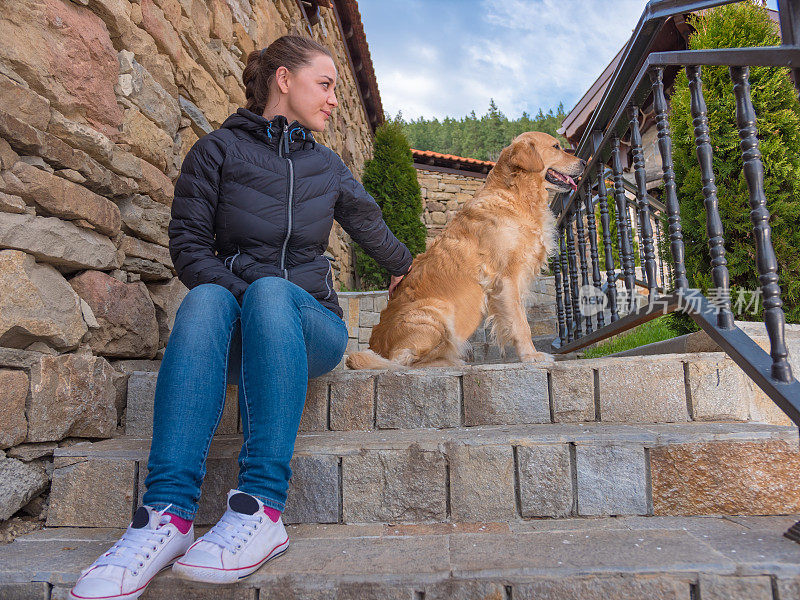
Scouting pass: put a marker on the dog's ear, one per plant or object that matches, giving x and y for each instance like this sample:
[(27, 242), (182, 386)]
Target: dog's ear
[(525, 157)]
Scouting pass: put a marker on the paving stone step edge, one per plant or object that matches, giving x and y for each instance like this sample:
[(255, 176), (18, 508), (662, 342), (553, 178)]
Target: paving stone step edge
[(466, 474), (651, 389), (624, 559)]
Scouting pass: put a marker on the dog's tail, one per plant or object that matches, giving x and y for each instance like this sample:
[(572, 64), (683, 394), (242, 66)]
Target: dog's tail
[(369, 359)]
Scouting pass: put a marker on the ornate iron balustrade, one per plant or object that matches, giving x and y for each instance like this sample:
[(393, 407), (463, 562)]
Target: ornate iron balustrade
[(639, 77)]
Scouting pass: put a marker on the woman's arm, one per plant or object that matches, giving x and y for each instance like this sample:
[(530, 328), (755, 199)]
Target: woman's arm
[(360, 216), (191, 229)]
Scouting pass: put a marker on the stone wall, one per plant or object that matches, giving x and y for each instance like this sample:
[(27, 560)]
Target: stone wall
[(443, 195), (99, 102)]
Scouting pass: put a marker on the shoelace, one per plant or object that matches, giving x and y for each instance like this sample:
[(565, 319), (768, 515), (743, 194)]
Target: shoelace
[(134, 548), (232, 529)]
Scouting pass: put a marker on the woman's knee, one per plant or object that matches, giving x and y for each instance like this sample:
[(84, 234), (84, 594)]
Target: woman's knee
[(276, 291), (209, 299)]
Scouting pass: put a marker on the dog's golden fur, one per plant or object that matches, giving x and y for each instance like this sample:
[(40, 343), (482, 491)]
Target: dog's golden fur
[(482, 263)]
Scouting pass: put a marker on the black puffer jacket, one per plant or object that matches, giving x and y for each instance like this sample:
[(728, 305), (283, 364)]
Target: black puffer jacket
[(257, 198)]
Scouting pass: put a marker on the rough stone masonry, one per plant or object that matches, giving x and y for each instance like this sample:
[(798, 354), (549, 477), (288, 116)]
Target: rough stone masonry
[(99, 102)]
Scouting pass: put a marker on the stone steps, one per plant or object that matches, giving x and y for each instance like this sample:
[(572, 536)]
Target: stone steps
[(493, 473), (706, 386), (631, 558)]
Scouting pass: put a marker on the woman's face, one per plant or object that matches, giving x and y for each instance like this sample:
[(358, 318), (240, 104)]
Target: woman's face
[(309, 92)]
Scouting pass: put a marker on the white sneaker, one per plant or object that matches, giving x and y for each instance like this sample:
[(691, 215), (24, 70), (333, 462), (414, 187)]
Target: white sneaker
[(243, 540), (151, 543)]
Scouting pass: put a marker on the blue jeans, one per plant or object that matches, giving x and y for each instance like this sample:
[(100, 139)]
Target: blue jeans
[(285, 336)]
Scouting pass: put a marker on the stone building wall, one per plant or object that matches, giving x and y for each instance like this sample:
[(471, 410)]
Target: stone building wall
[(443, 195), (99, 102)]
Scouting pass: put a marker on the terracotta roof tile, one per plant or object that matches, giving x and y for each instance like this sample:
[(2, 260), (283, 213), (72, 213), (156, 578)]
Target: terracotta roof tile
[(450, 158)]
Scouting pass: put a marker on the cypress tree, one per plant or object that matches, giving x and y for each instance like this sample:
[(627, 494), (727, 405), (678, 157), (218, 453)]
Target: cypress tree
[(778, 121), (390, 177)]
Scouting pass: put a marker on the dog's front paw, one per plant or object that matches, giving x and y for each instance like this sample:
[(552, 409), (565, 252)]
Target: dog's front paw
[(538, 357)]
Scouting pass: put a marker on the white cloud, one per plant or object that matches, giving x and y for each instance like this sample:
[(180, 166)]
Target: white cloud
[(526, 54)]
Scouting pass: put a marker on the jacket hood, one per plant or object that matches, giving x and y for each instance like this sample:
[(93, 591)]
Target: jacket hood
[(271, 132)]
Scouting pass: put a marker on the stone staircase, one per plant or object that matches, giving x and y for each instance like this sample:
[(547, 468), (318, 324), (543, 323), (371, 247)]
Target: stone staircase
[(638, 477)]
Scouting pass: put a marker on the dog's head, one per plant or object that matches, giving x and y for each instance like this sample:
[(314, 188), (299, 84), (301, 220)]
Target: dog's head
[(540, 153)]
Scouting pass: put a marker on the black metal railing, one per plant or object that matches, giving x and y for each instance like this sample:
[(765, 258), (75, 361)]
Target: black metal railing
[(637, 80)]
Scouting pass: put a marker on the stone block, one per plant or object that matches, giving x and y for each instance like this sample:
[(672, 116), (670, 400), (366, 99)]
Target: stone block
[(506, 396), (167, 298), (12, 204), (335, 590), (136, 83), (62, 198), (573, 393), (380, 302), (600, 587), (545, 481), (79, 82), (37, 304), (422, 398), (14, 358), (87, 492), (222, 475), (146, 139), (726, 477), (146, 218), (715, 587), (352, 317), (313, 495), (761, 407), (19, 482), (624, 400), (13, 424), (454, 589), (58, 242), (366, 303), (72, 395), (128, 327), (368, 319), (315, 410), (481, 483), (364, 334), (35, 590), (29, 452), (717, 388), (787, 588), (140, 400), (612, 480), (394, 485), (353, 401), (141, 404)]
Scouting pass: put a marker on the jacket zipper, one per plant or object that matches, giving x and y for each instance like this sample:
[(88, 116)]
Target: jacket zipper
[(291, 194), (330, 291)]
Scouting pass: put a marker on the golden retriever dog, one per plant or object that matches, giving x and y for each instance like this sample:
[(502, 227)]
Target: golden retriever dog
[(482, 264)]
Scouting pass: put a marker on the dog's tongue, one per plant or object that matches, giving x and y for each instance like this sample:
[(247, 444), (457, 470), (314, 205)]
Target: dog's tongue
[(571, 183)]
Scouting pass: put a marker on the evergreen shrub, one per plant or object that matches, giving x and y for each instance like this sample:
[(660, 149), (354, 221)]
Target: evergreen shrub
[(390, 177)]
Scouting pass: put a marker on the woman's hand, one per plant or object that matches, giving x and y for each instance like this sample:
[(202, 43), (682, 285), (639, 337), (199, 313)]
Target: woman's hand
[(393, 283)]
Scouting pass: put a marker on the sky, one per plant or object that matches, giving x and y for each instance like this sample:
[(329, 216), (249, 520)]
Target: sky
[(437, 58)]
